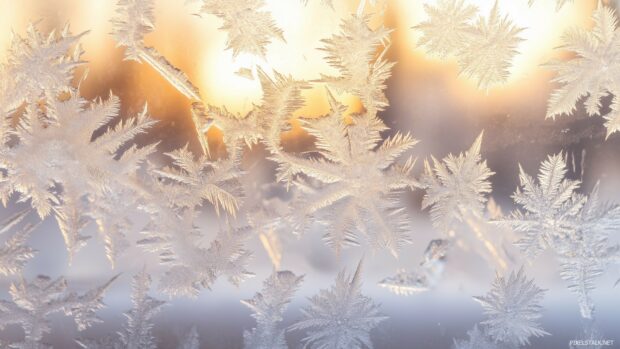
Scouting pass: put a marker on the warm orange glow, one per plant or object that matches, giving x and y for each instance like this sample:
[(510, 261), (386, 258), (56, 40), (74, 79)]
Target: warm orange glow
[(196, 45)]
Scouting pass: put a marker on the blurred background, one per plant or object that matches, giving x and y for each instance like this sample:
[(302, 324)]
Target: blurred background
[(427, 98)]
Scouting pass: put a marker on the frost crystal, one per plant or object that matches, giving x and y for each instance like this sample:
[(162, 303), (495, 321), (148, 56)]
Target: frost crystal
[(594, 72), (478, 339), (512, 309), (587, 253), (548, 207), (249, 28), (39, 66), (447, 27), (137, 333), (484, 48), (134, 19), (192, 267), (353, 54), (575, 226), (58, 165), (456, 187), (361, 181), (268, 308), (15, 253), (202, 179), (265, 122), (340, 317), (490, 48), (34, 302)]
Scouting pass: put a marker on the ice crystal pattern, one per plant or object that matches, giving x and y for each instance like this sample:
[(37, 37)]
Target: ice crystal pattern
[(456, 187), (353, 52), (340, 317), (513, 309), (575, 226), (447, 26), (33, 302), (192, 267), (16, 253), (479, 339), (61, 169), (588, 252), (268, 308), (193, 180), (490, 48), (266, 121), (135, 19), (361, 179), (137, 332), (593, 73), (250, 28), (548, 206), (38, 67), (485, 46)]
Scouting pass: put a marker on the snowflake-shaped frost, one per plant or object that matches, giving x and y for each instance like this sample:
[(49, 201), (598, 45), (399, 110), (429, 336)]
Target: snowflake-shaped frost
[(447, 27), (137, 334), (250, 29), (512, 309), (39, 66), (134, 19), (58, 165), (575, 226), (484, 49), (340, 317), (194, 180), (548, 206), (33, 302), (360, 177), (585, 255), (594, 71), (489, 50), (268, 308), (456, 186), (353, 52)]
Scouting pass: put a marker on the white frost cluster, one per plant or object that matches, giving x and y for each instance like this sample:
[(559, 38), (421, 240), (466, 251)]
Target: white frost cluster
[(484, 47)]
